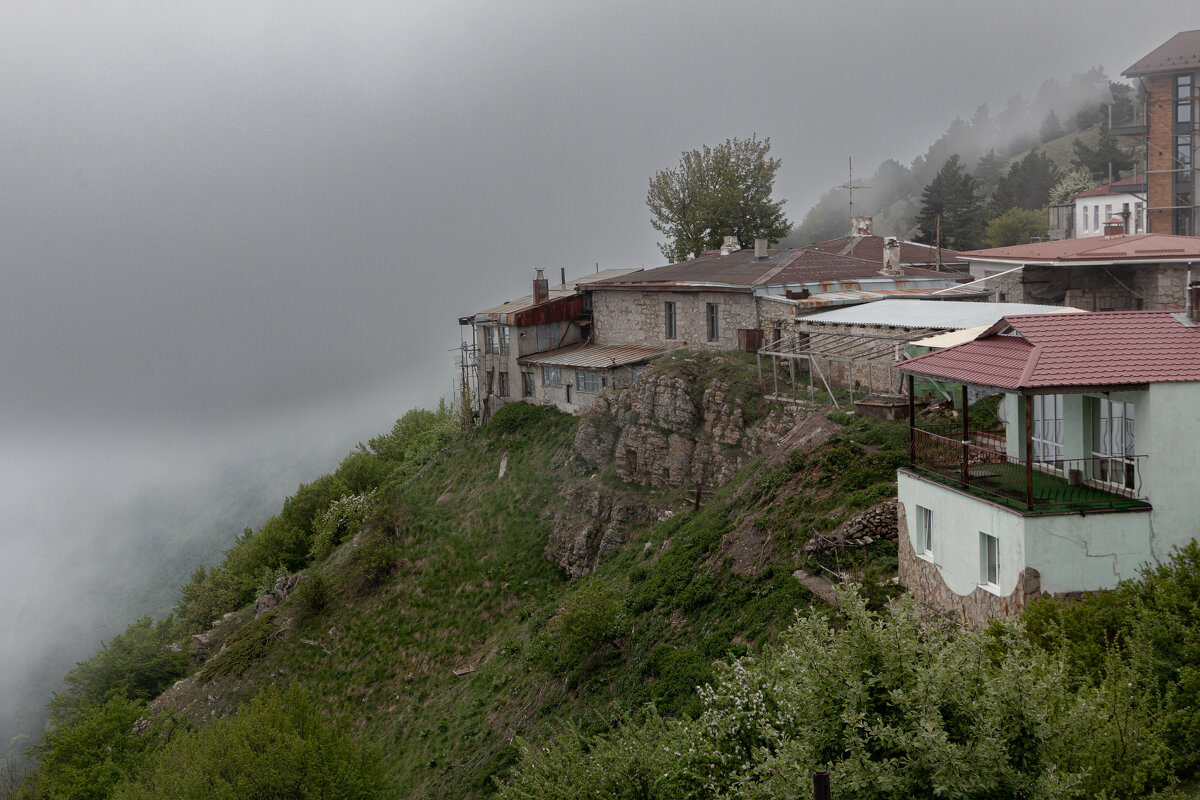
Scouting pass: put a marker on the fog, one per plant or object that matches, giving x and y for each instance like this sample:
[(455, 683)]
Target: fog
[(235, 237)]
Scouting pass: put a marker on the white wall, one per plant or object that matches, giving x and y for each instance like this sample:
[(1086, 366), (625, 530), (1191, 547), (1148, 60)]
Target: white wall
[(1085, 214)]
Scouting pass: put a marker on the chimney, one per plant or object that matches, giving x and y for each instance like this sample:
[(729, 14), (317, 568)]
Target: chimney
[(860, 226), (1114, 227), (541, 287), (731, 245), (760, 249), (891, 256)]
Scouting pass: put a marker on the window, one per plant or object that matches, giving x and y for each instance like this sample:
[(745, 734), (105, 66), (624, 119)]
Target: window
[(1113, 443), (1048, 429), (989, 560), (503, 391), (1183, 158), (669, 318), (543, 337), (1139, 217), (488, 383), (1183, 99), (635, 371), (527, 384), (924, 531), (1107, 211), (587, 381), (504, 334), (1096, 217), (712, 314), (489, 339), (551, 376)]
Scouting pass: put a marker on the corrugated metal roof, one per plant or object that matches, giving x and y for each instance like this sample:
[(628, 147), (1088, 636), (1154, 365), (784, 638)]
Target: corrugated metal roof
[(1129, 248), (594, 356), (870, 248), (1047, 351), (557, 292), (1180, 52), (930, 314)]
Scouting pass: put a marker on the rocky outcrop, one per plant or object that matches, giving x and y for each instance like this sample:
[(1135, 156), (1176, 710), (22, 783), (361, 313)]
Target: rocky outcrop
[(590, 525), (656, 434)]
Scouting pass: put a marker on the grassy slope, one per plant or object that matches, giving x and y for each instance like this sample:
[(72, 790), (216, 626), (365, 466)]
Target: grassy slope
[(469, 587)]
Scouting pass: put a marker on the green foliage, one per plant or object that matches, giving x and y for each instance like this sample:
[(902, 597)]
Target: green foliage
[(277, 746), (135, 665), (371, 561), (951, 199), (895, 704), (311, 593), (88, 757), (717, 192), (583, 631), (245, 646), (1097, 160), (1027, 184), (1016, 226), (340, 522), (415, 439)]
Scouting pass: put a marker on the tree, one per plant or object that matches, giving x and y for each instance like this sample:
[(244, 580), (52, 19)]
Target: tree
[(1015, 226), (717, 192), (1027, 184), (1051, 127), (1076, 181), (1098, 159), (989, 169), (951, 198)]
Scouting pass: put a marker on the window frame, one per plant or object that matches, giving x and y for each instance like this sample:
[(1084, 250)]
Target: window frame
[(712, 321), (924, 531), (502, 385), (587, 382), (670, 319), (551, 372), (528, 384), (989, 561)]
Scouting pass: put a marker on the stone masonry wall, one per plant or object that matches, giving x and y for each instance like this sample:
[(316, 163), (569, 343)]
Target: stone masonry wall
[(626, 317), (920, 577)]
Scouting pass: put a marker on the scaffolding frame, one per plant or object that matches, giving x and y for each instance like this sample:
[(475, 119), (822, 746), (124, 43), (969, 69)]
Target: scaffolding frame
[(871, 353)]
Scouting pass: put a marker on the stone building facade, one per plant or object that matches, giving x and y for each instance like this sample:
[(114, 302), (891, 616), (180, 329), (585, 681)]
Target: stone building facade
[(673, 319)]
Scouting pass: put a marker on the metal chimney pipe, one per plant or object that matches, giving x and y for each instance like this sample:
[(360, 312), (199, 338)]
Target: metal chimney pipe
[(541, 287)]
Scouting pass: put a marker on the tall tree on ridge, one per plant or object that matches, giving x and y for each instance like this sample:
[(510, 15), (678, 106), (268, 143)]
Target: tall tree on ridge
[(952, 198)]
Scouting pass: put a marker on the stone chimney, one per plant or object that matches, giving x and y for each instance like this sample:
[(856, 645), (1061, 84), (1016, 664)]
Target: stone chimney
[(891, 256), (760, 249), (731, 245), (860, 226), (541, 287), (1114, 227)]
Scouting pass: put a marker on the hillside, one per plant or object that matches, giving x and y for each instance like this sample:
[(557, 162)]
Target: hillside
[(447, 572)]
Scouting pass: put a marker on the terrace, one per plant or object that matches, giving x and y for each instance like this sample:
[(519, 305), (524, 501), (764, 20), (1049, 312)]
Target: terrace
[(976, 461)]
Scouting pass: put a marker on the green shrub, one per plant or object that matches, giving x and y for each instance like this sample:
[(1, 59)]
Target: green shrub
[(583, 631), (311, 593), (243, 647)]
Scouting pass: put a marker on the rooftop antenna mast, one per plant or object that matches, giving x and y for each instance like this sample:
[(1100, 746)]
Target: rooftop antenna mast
[(850, 186)]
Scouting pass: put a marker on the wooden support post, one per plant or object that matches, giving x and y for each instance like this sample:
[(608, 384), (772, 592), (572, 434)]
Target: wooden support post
[(1029, 451), (821, 788), (966, 437), (912, 425)]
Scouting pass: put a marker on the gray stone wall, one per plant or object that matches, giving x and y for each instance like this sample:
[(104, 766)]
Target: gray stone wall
[(1149, 287), (631, 317)]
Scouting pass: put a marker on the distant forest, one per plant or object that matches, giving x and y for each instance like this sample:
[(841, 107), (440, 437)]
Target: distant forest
[(1011, 160)]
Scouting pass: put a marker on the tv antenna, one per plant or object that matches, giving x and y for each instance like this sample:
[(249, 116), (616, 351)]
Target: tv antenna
[(851, 186)]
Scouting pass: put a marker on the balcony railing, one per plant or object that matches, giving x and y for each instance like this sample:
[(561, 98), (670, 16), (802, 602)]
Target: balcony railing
[(981, 466)]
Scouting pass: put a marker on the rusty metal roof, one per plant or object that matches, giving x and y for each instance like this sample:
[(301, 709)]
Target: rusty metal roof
[(854, 297), (594, 356), (503, 312), (1061, 351), (1149, 248), (1180, 52), (870, 248), (1134, 183)]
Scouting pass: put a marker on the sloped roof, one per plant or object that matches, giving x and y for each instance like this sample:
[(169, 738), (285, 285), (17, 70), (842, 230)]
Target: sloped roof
[(1180, 52), (741, 271), (557, 292), (1123, 186), (594, 356), (870, 247), (945, 314), (1047, 351), (1152, 248)]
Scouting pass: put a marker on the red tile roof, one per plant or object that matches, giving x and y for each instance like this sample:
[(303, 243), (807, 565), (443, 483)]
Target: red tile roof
[(1136, 247), (1046, 351), (1180, 52), (1108, 188)]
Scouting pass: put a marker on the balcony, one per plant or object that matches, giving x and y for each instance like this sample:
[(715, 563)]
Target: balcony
[(980, 466)]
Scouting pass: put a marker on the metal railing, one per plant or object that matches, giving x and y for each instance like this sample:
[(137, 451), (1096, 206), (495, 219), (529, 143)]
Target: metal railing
[(981, 465)]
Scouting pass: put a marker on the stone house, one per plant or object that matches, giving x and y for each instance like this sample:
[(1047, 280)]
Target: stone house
[(550, 319), (1088, 478), (1113, 272)]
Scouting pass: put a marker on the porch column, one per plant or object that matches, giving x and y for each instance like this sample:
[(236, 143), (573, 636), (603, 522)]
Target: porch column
[(912, 425), (1029, 451), (966, 437)]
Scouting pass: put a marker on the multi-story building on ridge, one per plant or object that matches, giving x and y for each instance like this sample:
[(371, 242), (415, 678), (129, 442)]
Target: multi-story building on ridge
[(1170, 76)]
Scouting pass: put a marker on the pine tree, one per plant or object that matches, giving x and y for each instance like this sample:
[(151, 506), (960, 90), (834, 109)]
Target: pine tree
[(952, 198)]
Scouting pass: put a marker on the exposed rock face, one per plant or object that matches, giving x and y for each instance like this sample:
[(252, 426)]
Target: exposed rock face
[(591, 525), (657, 436)]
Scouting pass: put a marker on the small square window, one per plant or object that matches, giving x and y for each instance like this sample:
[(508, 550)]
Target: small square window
[(587, 381)]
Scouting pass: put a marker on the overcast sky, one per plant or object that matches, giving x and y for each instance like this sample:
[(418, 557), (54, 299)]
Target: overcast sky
[(243, 222)]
